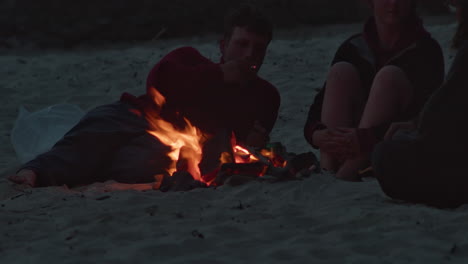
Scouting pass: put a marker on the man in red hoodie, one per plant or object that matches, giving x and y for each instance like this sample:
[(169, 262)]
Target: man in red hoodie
[(226, 96)]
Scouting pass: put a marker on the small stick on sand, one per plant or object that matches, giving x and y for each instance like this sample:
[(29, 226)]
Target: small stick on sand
[(160, 33)]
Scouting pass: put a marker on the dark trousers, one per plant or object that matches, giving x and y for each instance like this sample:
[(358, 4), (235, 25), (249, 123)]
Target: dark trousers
[(110, 142)]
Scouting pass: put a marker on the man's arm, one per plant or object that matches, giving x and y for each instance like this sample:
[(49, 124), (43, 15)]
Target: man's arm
[(270, 109), (259, 134)]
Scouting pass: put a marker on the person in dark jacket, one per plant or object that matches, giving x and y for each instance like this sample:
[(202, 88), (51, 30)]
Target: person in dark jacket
[(425, 161), (227, 96), (383, 75)]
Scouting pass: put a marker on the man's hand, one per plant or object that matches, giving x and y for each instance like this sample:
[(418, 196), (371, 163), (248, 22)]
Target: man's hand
[(238, 71), (395, 127), (24, 177), (257, 136)]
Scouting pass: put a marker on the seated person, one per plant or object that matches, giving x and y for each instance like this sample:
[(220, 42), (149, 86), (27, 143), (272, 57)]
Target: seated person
[(425, 162), (213, 96), (383, 75)]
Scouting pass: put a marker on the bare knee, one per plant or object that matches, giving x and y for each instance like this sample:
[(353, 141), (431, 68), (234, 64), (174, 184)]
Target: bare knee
[(343, 98), (392, 80), (391, 77), (391, 73), (342, 75)]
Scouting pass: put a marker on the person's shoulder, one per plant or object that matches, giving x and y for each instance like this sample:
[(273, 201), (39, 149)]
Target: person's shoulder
[(353, 49), (427, 44), (351, 45), (186, 55), (184, 51), (353, 40), (424, 49), (428, 40)]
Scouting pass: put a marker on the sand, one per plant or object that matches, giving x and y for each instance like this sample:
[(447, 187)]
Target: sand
[(314, 220)]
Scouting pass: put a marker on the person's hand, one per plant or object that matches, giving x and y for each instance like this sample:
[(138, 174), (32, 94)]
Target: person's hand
[(238, 70), (24, 177), (332, 141), (394, 127), (351, 140), (257, 136)]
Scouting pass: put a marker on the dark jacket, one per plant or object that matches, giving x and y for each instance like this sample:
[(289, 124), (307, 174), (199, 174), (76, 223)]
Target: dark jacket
[(418, 55), (443, 121)]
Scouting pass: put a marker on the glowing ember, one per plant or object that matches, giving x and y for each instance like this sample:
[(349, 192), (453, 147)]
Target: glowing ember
[(242, 155), (185, 144), (266, 156), (274, 158)]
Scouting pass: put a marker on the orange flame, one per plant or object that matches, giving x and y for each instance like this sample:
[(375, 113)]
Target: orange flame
[(186, 143), (242, 155)]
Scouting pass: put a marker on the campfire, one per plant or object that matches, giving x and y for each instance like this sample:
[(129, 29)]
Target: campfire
[(201, 160)]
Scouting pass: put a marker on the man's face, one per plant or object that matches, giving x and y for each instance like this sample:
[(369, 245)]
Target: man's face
[(392, 12), (244, 44)]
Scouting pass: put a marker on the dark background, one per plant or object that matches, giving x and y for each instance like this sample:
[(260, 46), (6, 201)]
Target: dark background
[(67, 23)]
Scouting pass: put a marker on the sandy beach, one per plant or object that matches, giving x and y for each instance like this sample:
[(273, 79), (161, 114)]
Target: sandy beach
[(315, 220)]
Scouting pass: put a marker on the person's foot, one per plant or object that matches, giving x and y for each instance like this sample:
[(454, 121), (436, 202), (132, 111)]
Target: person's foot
[(350, 170), (24, 177)]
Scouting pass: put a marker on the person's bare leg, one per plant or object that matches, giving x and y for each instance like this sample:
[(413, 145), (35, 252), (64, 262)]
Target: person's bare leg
[(390, 94), (342, 97)]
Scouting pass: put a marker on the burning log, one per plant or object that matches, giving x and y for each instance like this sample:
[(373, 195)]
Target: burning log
[(195, 159), (292, 167), (282, 164), (275, 162)]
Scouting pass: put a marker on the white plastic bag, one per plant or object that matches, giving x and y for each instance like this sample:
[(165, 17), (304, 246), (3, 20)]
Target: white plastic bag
[(35, 133)]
